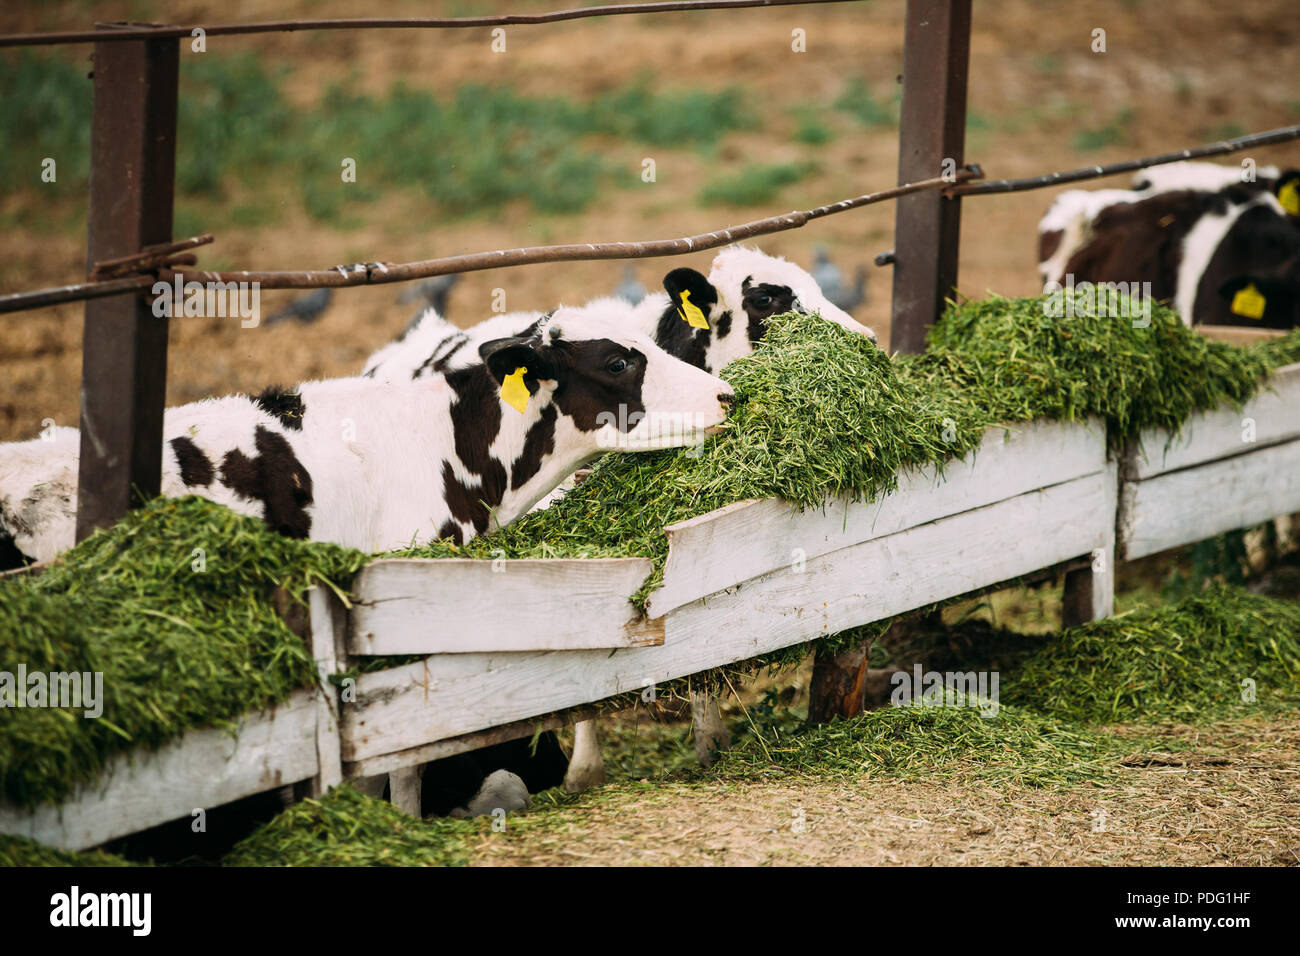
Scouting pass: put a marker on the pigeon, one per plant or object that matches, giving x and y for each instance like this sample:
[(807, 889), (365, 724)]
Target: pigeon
[(630, 289), (307, 308), (431, 292), (501, 790), (831, 281)]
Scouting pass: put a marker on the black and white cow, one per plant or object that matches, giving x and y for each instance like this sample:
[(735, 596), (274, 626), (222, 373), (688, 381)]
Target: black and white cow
[(1198, 248), (377, 465)]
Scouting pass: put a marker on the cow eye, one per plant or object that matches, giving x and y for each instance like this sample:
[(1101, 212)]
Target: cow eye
[(616, 367), (763, 301)]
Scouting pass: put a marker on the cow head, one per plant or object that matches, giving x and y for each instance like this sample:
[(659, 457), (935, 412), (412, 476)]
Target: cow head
[(612, 386), (1255, 271), (761, 286)]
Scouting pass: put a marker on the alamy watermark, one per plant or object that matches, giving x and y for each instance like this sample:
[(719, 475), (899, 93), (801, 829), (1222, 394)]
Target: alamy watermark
[(209, 299), (74, 690), (1126, 300), (948, 689)]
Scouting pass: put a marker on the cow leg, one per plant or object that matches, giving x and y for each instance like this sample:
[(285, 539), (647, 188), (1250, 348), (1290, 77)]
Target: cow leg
[(405, 784), (586, 766), (711, 733)]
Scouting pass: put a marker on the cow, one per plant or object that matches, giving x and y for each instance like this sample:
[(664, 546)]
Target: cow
[(1224, 257), (379, 465)]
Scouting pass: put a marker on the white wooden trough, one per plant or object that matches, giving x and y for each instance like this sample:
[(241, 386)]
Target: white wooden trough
[(1226, 470), (517, 645)]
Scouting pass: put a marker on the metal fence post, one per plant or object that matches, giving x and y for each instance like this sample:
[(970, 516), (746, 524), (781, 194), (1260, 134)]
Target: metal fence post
[(932, 130), (124, 350)]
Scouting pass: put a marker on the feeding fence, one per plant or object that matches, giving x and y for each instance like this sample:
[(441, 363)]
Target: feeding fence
[(561, 635)]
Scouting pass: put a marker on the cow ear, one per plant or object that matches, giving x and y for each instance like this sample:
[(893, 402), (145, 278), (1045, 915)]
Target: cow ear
[(1287, 191), (503, 356), (703, 294)]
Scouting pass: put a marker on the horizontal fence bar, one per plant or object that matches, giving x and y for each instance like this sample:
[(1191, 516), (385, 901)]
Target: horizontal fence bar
[(135, 32), (1282, 134), (379, 273)]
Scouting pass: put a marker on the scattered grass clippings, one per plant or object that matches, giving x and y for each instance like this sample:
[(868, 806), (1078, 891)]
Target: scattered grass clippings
[(20, 851), (1185, 661), (178, 648), (952, 740), (345, 828), (825, 413)]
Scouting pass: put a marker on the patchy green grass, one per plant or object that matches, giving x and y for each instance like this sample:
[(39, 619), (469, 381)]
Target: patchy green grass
[(1114, 131), (470, 151), (871, 111), (755, 183)]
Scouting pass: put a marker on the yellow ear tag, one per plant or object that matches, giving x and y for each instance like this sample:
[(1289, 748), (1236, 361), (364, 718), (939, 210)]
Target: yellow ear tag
[(1249, 302), (1289, 197), (514, 392), (691, 313)]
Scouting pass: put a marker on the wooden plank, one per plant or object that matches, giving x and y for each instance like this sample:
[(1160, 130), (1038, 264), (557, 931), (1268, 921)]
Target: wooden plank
[(1238, 334), (450, 746), (325, 622), (458, 606), (448, 695), (1196, 503), (1089, 591), (202, 769), (1219, 434), (758, 537)]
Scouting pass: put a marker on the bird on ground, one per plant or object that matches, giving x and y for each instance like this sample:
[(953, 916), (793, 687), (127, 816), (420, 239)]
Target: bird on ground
[(306, 308), (630, 289), (830, 279), (432, 291)]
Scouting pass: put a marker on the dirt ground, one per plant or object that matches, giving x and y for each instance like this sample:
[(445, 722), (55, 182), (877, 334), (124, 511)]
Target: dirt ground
[(1185, 71), (1231, 799)]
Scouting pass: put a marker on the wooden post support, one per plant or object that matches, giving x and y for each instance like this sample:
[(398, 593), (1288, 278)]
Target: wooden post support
[(1089, 593), (932, 141), (124, 351), (839, 684)]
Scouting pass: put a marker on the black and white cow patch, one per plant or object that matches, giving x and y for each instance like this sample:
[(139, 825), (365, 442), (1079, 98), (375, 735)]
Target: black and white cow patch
[(275, 477)]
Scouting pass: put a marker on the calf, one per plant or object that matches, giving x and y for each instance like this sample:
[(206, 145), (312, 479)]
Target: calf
[(378, 466), (1229, 257)]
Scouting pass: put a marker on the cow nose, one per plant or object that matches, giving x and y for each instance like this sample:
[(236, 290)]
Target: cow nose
[(728, 398)]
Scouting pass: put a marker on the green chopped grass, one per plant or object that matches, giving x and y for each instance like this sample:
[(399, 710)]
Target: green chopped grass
[(20, 851), (931, 742), (345, 828), (825, 413), (177, 648), (1186, 661)]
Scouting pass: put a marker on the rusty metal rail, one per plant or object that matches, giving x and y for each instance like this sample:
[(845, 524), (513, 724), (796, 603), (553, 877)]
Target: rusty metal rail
[(1282, 134), (167, 31), (380, 273)]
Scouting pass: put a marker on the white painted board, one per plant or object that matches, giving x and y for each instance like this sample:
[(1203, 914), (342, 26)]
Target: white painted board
[(458, 606), (1272, 416), (744, 540), (1180, 507), (447, 695), (202, 769)]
